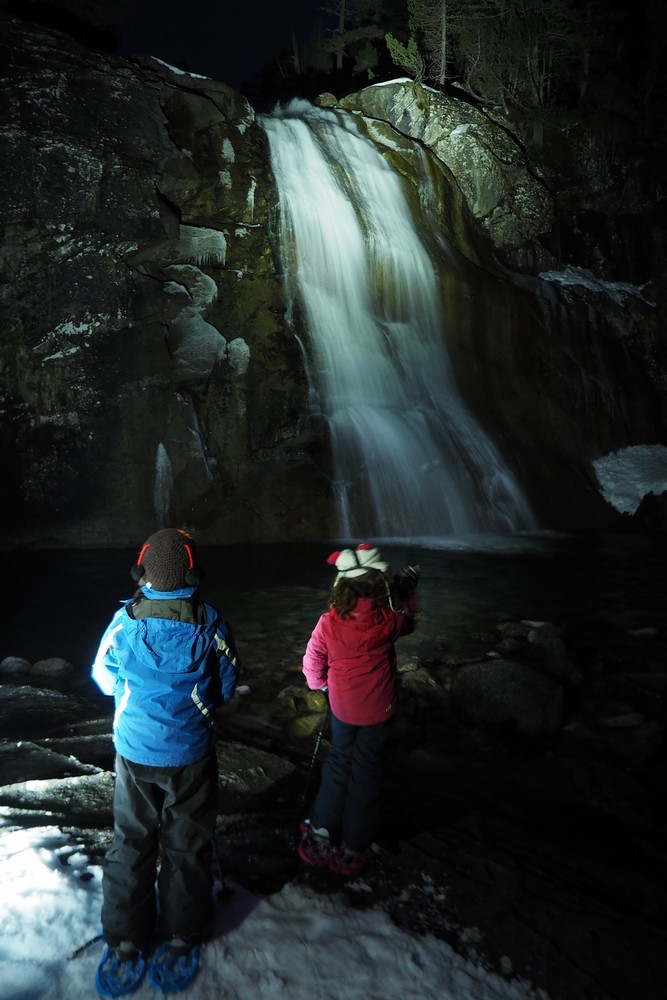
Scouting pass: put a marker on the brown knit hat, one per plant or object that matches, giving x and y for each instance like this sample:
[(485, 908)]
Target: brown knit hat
[(167, 561)]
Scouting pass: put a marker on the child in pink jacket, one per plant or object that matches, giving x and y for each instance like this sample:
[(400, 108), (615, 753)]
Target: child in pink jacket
[(351, 655)]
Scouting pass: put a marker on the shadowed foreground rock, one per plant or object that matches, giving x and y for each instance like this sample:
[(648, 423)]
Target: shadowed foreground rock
[(523, 821)]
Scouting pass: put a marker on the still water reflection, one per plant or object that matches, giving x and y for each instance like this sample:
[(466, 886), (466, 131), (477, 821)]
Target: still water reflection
[(56, 603)]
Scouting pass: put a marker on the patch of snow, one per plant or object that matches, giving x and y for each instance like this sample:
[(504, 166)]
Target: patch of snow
[(225, 179), (389, 83), (296, 942), (626, 476), (179, 72), (68, 330), (59, 355), (238, 355), (228, 151)]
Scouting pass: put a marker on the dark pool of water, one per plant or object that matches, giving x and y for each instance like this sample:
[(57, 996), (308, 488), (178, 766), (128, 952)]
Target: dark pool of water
[(57, 603)]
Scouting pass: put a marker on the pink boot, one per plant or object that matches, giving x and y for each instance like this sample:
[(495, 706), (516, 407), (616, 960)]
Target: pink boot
[(315, 846), (348, 863)]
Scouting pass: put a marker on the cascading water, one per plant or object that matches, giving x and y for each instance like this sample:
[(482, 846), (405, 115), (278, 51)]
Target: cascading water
[(409, 458), (164, 480)]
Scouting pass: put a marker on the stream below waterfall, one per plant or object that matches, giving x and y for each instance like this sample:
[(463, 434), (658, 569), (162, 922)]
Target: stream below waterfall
[(544, 859), (273, 594)]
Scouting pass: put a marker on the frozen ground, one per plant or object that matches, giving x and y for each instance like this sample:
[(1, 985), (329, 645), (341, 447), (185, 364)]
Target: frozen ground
[(293, 943)]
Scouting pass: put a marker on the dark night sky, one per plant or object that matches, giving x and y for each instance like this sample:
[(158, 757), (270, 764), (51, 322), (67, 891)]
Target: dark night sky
[(228, 40)]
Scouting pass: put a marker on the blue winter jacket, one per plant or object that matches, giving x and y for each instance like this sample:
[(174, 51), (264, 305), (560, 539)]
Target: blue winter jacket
[(167, 677)]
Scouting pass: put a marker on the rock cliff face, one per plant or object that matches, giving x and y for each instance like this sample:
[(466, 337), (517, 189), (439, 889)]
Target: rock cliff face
[(487, 162), (148, 371), (561, 367)]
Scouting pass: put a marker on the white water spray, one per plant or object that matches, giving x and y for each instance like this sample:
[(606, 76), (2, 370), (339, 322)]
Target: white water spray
[(164, 481), (409, 458)]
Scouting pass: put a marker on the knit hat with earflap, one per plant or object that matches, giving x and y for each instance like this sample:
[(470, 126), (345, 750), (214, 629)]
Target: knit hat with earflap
[(356, 562), (167, 561)]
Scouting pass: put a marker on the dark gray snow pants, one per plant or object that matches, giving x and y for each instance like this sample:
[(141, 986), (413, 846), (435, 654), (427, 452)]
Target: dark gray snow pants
[(164, 821)]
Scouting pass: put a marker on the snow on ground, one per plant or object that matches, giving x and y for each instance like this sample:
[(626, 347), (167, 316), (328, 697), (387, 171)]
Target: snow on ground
[(295, 943), (626, 476)]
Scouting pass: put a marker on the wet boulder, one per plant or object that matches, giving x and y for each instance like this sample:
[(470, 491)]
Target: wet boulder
[(502, 691), (30, 712)]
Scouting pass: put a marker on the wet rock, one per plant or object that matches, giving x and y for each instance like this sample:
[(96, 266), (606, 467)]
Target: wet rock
[(303, 727), (510, 644), (297, 698), (248, 772), (503, 691), (15, 665), (84, 800), (409, 666), (627, 720), (84, 745), (163, 347), (636, 742), (53, 666), (651, 514), (553, 656), (486, 159), (23, 761), (514, 630), (29, 712), (418, 684)]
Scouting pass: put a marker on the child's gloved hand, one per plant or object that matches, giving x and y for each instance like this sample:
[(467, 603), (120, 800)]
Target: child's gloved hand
[(407, 580)]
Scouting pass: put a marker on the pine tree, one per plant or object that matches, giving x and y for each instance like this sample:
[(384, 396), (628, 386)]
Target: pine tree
[(358, 25), (507, 52), (407, 56)]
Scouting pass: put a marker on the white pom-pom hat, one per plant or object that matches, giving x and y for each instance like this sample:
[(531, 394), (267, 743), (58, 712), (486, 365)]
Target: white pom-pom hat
[(357, 562)]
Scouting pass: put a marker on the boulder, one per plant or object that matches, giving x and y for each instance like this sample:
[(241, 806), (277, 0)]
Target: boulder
[(15, 665), (52, 666), (486, 159), (30, 712), (503, 691)]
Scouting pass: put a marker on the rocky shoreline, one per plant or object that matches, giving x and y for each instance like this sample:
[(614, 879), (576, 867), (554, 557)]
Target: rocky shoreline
[(525, 792)]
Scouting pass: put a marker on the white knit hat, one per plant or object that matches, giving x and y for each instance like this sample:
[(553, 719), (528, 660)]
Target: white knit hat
[(357, 562)]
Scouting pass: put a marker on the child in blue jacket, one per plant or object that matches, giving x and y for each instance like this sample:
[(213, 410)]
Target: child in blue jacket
[(169, 661)]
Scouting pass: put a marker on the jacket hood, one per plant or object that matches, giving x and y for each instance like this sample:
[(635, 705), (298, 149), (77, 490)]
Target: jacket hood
[(176, 646)]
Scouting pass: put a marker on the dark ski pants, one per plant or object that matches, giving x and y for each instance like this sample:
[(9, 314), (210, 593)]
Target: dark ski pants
[(164, 821), (348, 800)]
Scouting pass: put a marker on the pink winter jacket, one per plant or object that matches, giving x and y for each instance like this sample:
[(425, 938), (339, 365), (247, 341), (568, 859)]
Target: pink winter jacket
[(356, 658)]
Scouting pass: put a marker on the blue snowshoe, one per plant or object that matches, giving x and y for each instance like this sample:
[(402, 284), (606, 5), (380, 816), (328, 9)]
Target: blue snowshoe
[(120, 971), (174, 965)]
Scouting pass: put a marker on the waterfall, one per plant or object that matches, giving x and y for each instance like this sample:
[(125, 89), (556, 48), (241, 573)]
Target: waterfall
[(164, 479), (409, 459)]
